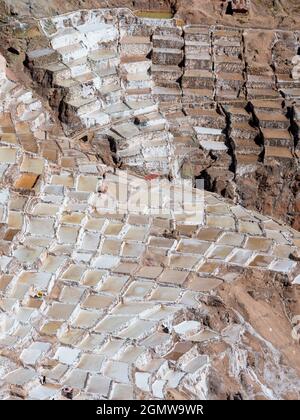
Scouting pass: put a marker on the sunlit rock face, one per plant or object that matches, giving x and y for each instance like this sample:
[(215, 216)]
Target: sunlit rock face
[(119, 279)]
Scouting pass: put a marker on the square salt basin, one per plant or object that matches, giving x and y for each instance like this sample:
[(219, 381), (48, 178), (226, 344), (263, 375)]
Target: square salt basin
[(32, 165), (202, 284), (66, 355), (98, 384), (111, 247), (87, 183), (192, 246), (283, 266), (135, 233), (157, 256), (106, 261), (51, 327), (91, 342), (16, 202), (85, 319), (178, 350), (152, 365), (71, 294), (194, 364), (25, 181), (90, 241), (57, 372), (94, 301), (36, 242), (173, 276), (82, 256), (277, 237), (118, 371), (149, 272), (45, 209), (90, 362), (113, 284), (165, 293), (65, 180), (217, 208), (8, 155), (9, 137), (220, 252), (76, 379), (95, 224), (60, 311), (225, 222), (131, 308), (43, 392), (138, 219), (67, 234), (258, 244), (133, 250), (113, 229), (70, 337), (156, 339), (111, 347), (209, 266), (112, 323), (24, 314), (283, 251), (130, 354), (4, 282), (73, 198), (187, 262), (189, 298), (136, 329), (251, 228), (74, 272), (31, 278), (15, 219), (20, 377), (93, 277), (231, 238), (240, 257), (262, 261), (125, 268), (138, 289), (61, 249), (161, 242), (27, 255), (121, 392), (186, 230)]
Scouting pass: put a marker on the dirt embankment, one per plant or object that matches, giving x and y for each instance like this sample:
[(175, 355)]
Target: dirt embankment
[(267, 13), (261, 14), (42, 8), (269, 306)]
